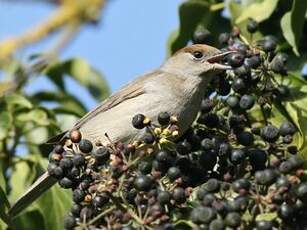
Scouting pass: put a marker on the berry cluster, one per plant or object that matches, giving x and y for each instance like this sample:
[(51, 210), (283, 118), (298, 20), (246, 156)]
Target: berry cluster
[(236, 167)]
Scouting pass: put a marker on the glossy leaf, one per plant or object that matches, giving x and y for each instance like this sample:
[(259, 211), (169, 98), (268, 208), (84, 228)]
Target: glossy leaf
[(51, 207), (5, 121), (71, 104), (82, 72), (292, 24), (89, 77), (38, 116), (191, 13), (17, 99), (258, 10), (4, 205)]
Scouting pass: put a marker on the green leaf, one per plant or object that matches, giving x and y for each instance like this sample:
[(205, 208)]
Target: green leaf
[(89, 77), (71, 104), (83, 73), (17, 99), (37, 116), (236, 10), (292, 24), (5, 121), (54, 204), (4, 206), (294, 109), (31, 219), (258, 10), (51, 207), (191, 13)]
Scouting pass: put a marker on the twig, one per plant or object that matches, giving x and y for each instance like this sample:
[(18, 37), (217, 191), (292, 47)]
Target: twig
[(69, 11)]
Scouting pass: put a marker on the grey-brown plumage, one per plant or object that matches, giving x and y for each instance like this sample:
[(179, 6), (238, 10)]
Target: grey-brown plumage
[(176, 87)]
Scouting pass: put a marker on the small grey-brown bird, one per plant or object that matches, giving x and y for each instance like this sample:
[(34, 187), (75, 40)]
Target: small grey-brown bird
[(176, 87)]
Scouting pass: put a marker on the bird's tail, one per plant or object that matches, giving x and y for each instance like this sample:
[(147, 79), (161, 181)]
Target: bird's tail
[(42, 184)]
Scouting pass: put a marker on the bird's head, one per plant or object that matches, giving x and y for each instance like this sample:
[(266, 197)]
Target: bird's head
[(196, 60)]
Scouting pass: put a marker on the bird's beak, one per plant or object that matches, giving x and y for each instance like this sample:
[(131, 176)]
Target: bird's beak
[(217, 58)]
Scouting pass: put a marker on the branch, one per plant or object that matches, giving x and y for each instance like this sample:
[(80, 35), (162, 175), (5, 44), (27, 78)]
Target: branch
[(70, 12)]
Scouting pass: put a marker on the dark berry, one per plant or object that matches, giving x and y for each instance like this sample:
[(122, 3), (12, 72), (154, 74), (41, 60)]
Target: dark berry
[(75, 136), (241, 184), (224, 149), (235, 59), (285, 167), (58, 172), (202, 215), (237, 156), (247, 102), (207, 144), (179, 195), (242, 71), (217, 224), (173, 173), (164, 118), (86, 213), (58, 149), (296, 162), (164, 197), (138, 121), (278, 64), (233, 219), (208, 198), (257, 159), (252, 25), (232, 101), (78, 160), (66, 163), (183, 148), (74, 172), (148, 138), (164, 156), (224, 38), (268, 44), (292, 149), (207, 105), (208, 159), (66, 183), (270, 133), (100, 200), (145, 167), (286, 211), (287, 128), (75, 210), (85, 146), (264, 225), (201, 35), (238, 85), (245, 138), (211, 120), (101, 155), (78, 195), (212, 185), (69, 222), (253, 62), (143, 183)]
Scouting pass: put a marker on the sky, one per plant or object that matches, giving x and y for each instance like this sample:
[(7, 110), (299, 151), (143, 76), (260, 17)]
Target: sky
[(129, 41)]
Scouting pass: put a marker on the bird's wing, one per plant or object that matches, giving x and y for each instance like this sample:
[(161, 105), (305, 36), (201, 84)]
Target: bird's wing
[(131, 90), (134, 89)]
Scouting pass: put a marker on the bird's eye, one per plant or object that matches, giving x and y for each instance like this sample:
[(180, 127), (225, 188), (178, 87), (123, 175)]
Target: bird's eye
[(198, 54)]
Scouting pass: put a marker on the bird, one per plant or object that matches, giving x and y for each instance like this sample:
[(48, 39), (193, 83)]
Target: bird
[(176, 87)]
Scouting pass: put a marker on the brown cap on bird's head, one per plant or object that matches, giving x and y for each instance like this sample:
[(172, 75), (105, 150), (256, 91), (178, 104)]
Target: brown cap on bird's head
[(196, 60)]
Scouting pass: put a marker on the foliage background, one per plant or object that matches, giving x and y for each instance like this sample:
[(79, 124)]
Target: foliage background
[(26, 121)]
